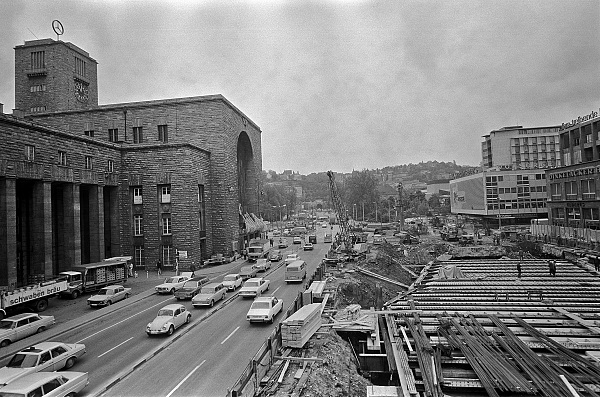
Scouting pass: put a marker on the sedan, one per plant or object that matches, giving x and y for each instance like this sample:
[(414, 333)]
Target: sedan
[(171, 284), (21, 326), (291, 258), (282, 243), (49, 384), (232, 281), (297, 240), (264, 309), (43, 357), (254, 287), (262, 265), (275, 256), (168, 319), (308, 246), (209, 294), (109, 295)]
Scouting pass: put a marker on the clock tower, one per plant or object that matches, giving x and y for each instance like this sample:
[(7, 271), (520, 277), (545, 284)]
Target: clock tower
[(53, 76)]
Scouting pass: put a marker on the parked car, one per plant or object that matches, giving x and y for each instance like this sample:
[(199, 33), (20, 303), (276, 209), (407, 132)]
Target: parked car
[(109, 295), (191, 287), (308, 247), (312, 239), (282, 243), (171, 284), (297, 240), (43, 357), (232, 281), (291, 258), (262, 265), (209, 294), (47, 384), (254, 287), (21, 326), (168, 319), (275, 256), (324, 225), (276, 233), (248, 272), (264, 309)]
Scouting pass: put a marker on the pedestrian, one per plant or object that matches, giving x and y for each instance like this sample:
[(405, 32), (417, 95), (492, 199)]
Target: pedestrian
[(130, 273), (519, 269), (596, 263), (271, 241), (552, 268), (192, 268), (158, 268), (245, 254)]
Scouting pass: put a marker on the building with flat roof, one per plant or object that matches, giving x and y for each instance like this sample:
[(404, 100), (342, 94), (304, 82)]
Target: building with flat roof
[(81, 182), (519, 148)]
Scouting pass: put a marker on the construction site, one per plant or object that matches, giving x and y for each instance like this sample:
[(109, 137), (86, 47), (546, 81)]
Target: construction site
[(437, 319)]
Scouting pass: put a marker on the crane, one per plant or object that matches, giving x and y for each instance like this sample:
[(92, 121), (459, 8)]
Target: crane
[(343, 238)]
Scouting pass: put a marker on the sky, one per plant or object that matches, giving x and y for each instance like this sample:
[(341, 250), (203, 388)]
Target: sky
[(338, 84)]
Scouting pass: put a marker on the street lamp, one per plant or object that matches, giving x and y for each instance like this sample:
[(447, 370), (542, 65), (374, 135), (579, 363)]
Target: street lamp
[(375, 202), (354, 214)]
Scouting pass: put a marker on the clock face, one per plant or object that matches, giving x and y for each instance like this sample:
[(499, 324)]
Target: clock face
[(81, 91)]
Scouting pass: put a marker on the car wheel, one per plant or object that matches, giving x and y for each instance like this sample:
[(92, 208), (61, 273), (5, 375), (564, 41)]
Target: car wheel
[(212, 302), (5, 343), (126, 296), (70, 362), (71, 395), (172, 291), (171, 330), (223, 296), (75, 294), (41, 329), (188, 318), (267, 287), (271, 320), (108, 303)]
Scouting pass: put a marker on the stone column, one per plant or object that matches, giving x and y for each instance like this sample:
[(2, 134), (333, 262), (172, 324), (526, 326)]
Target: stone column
[(8, 232), (72, 222), (42, 229), (96, 223)]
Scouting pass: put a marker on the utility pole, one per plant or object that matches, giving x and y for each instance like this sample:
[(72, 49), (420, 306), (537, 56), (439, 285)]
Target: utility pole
[(399, 206)]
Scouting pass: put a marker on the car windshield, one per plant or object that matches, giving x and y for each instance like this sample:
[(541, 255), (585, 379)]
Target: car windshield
[(252, 284), (170, 280), (22, 360), (229, 278), (165, 312), (6, 324), (260, 305), (103, 292)]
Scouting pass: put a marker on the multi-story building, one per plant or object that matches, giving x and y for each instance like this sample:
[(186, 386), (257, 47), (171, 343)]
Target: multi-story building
[(81, 182), (519, 148)]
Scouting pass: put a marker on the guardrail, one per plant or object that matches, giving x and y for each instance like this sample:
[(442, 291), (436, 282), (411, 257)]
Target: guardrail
[(249, 381)]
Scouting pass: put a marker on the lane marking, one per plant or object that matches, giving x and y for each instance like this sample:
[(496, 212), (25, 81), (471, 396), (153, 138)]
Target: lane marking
[(108, 351), (230, 335), (186, 378), (276, 289), (109, 327)]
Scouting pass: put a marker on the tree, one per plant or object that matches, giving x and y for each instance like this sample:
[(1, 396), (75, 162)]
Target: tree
[(359, 189)]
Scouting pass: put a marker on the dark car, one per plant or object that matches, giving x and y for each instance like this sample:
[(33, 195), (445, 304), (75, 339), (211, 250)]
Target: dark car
[(191, 287), (275, 256)]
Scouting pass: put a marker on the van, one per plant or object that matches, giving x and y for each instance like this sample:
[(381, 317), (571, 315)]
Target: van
[(312, 239), (327, 238), (295, 271)]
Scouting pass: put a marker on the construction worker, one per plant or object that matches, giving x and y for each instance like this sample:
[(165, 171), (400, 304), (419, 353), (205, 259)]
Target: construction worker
[(519, 269)]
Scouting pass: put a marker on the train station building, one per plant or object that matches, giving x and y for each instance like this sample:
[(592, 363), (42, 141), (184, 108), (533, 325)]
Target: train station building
[(81, 182)]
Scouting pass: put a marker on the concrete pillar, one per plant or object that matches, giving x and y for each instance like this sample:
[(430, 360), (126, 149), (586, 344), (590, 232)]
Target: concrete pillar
[(42, 230), (8, 232), (72, 230), (96, 223)]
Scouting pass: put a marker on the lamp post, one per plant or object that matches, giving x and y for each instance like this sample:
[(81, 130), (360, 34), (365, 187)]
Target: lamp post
[(375, 202), (363, 208), (399, 206), (354, 214)]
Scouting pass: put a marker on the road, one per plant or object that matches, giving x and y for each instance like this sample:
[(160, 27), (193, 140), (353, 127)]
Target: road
[(212, 354)]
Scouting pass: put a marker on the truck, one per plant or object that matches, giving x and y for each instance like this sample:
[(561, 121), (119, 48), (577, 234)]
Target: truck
[(93, 276), (449, 232), (33, 296), (256, 250)]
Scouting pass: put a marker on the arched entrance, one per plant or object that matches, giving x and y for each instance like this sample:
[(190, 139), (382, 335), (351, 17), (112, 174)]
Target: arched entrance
[(248, 192)]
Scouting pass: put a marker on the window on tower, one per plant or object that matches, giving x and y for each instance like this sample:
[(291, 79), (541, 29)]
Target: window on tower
[(113, 134), (38, 60)]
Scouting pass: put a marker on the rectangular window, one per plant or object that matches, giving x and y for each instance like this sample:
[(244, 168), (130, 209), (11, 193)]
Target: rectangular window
[(137, 225), (138, 255), (166, 224), (113, 134), (165, 194), (555, 191), (29, 152), (38, 60), (201, 213), (571, 190), (110, 166), (137, 135), (163, 134), (137, 195), (62, 158), (588, 189), (89, 133), (89, 163), (168, 255), (38, 109), (38, 88), (80, 67)]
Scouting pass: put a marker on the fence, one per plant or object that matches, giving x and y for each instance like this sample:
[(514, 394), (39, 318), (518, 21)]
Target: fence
[(248, 382)]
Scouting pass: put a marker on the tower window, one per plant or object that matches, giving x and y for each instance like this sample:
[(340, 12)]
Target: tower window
[(137, 195), (80, 67), (37, 109), (38, 88), (113, 134), (163, 134), (166, 224), (110, 166), (38, 60), (89, 163), (62, 158), (137, 225), (165, 193), (30, 152), (137, 135)]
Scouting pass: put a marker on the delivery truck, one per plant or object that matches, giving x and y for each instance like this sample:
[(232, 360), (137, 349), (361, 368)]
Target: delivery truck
[(32, 297), (93, 276)]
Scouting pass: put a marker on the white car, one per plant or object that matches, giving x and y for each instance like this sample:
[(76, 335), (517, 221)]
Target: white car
[(209, 294), (262, 265), (47, 384), (291, 258), (254, 287), (264, 309), (232, 281), (168, 319), (171, 284), (108, 295), (21, 326), (297, 240), (43, 357), (308, 246)]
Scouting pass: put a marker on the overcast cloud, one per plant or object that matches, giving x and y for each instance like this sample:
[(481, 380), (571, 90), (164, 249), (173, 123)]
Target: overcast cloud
[(339, 85)]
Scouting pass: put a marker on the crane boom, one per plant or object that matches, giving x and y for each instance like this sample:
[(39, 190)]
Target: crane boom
[(343, 238)]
